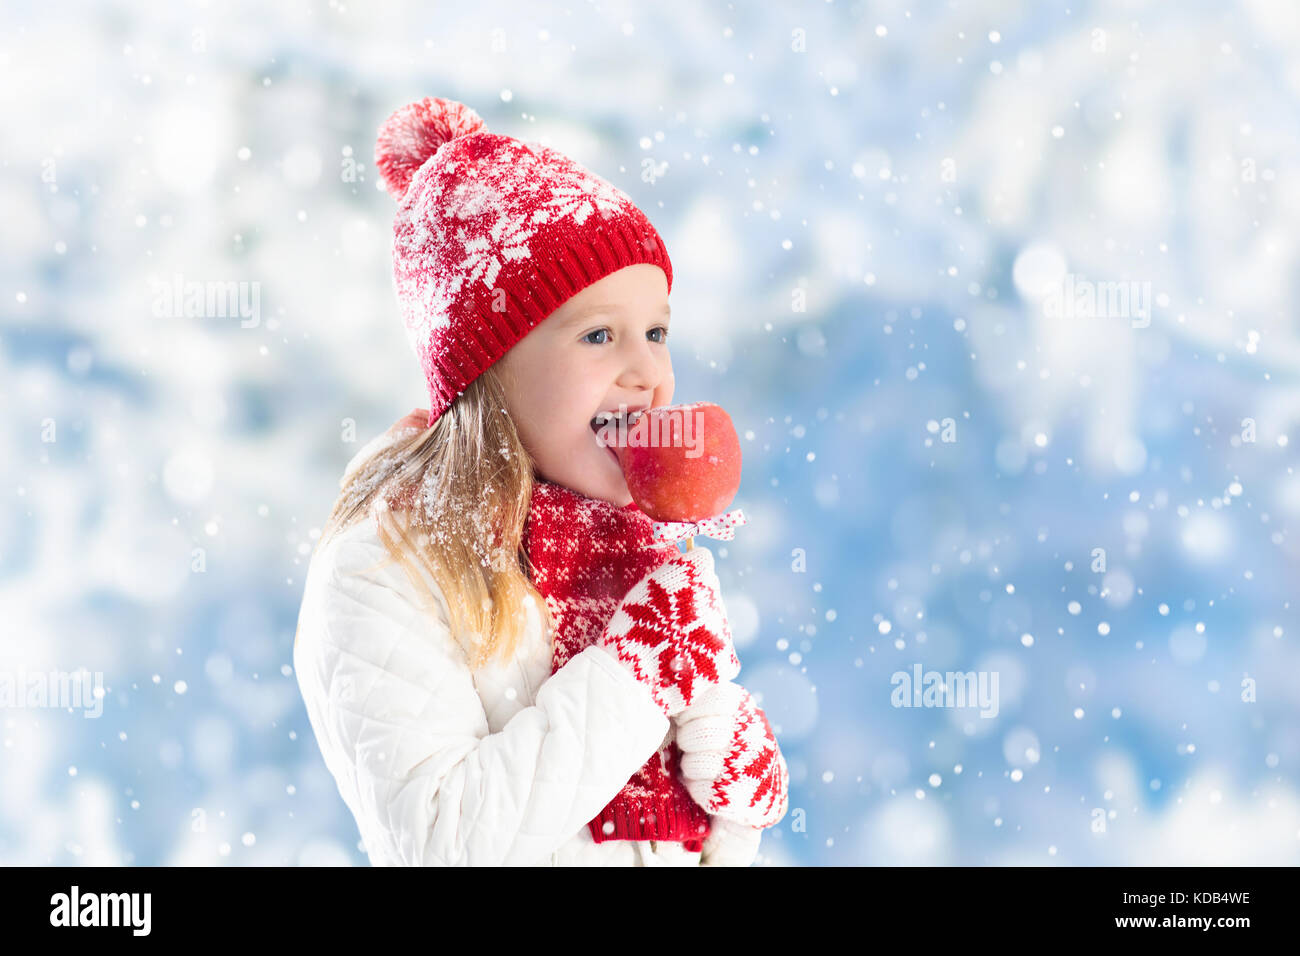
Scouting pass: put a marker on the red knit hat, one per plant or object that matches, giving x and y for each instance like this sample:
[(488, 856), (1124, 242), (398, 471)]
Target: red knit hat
[(492, 235)]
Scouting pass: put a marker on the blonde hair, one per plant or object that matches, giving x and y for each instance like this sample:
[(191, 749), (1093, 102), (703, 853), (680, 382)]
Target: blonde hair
[(452, 500)]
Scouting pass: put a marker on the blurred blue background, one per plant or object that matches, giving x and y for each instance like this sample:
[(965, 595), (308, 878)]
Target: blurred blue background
[(879, 216)]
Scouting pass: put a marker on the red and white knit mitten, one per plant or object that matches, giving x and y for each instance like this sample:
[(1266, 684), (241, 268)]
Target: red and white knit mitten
[(671, 631), (731, 763)]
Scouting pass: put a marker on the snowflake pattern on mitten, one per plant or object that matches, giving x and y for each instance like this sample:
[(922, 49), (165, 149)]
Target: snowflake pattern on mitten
[(672, 632), (730, 759)]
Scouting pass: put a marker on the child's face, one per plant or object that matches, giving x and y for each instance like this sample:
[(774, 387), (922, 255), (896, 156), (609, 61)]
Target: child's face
[(604, 347)]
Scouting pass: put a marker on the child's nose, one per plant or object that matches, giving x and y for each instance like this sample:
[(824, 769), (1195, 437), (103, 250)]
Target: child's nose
[(642, 368)]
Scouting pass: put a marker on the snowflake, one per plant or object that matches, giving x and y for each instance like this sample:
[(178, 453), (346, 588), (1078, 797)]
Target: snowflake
[(582, 200), (530, 172), (506, 241), (677, 664)]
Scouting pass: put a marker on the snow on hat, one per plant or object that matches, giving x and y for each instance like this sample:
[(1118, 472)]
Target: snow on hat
[(492, 235)]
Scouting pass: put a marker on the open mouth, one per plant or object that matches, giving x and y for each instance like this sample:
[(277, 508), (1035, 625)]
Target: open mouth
[(608, 426)]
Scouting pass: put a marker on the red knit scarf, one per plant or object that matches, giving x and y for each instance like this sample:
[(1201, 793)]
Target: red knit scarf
[(586, 555)]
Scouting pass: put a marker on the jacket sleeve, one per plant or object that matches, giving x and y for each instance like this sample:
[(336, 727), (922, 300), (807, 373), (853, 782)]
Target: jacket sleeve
[(730, 843), (401, 726)]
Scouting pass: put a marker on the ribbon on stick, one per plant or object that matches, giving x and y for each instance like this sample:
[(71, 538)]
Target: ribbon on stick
[(722, 527)]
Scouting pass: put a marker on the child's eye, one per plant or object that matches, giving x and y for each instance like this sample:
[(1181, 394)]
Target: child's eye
[(659, 328)]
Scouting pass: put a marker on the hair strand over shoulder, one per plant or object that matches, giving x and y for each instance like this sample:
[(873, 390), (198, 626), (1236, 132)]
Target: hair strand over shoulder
[(451, 501)]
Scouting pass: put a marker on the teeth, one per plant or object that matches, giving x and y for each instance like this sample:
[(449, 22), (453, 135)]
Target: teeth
[(603, 417)]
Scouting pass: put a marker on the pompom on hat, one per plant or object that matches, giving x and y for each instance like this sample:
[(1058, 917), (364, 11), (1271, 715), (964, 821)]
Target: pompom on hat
[(492, 235)]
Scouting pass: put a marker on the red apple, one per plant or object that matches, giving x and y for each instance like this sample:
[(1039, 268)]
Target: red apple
[(681, 462)]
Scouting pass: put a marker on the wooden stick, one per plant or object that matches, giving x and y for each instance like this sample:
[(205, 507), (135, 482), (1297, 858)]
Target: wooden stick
[(690, 543)]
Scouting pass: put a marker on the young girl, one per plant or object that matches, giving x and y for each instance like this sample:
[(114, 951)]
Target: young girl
[(499, 663)]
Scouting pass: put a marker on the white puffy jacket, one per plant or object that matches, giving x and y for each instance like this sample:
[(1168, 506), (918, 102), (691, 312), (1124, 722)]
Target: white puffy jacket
[(441, 766)]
